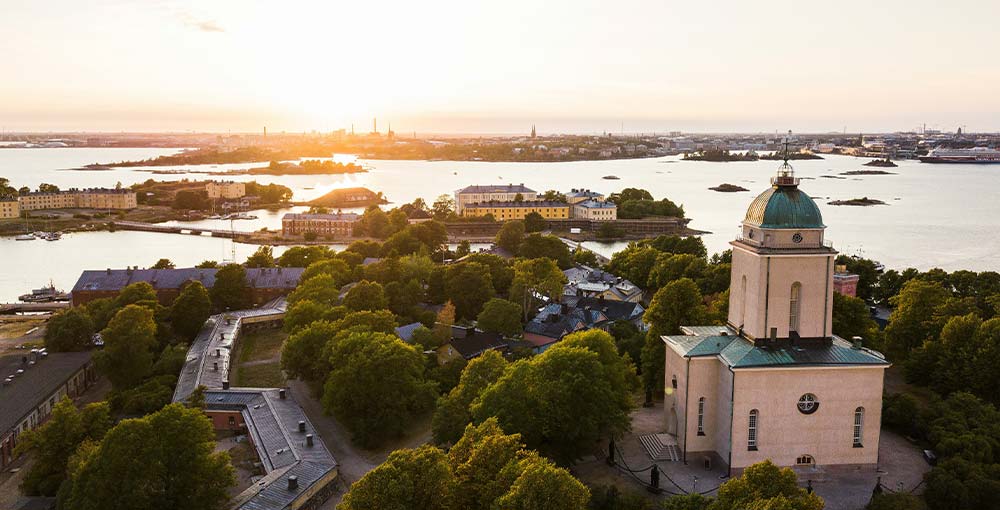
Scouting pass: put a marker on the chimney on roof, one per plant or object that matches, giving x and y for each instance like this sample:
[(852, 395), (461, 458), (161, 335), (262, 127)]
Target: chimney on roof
[(856, 342), (302, 426), (281, 394), (309, 439), (293, 483), (109, 270), (723, 332)]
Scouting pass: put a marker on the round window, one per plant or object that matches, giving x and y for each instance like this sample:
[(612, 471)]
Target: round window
[(808, 403), (797, 238)]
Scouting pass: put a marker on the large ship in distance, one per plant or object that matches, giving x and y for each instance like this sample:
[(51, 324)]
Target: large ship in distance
[(980, 155)]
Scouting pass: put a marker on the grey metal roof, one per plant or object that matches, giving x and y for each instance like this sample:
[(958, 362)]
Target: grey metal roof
[(117, 279), (596, 204), (406, 331), (214, 345), (37, 383), (495, 188), (331, 217), (477, 343)]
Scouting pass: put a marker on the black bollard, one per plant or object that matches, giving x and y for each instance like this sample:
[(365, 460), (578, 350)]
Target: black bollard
[(654, 477), (611, 452), (649, 399), (809, 486)]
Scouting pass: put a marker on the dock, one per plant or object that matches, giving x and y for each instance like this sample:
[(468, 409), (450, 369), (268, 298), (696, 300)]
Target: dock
[(53, 306), (577, 244)]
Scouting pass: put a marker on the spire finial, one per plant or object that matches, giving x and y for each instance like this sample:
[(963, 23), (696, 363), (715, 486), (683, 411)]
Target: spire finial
[(786, 174)]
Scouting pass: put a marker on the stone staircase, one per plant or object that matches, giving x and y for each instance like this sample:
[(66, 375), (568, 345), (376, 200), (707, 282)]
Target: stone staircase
[(661, 447)]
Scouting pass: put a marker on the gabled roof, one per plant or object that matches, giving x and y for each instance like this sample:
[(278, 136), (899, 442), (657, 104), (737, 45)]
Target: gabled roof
[(477, 343), (37, 382), (495, 188), (406, 331)]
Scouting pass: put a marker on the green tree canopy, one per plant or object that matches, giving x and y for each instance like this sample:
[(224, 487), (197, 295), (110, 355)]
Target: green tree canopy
[(764, 485), (912, 321), (163, 264), (851, 317), (304, 256), (408, 480), (129, 340), (468, 285), (135, 293), (510, 236), (190, 310), (69, 330), (534, 278), (537, 246), (376, 367), (565, 399), (336, 268), (500, 316), (534, 222), (677, 304), (306, 311), (230, 290), (165, 460), (366, 296), (54, 442), (322, 289), (263, 257), (452, 413)]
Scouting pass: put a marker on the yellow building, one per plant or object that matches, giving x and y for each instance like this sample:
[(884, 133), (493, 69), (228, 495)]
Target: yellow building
[(503, 211), (9, 208), (226, 189), (96, 198)]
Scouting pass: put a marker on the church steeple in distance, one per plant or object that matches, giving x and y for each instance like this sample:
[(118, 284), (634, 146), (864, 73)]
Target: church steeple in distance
[(533, 133)]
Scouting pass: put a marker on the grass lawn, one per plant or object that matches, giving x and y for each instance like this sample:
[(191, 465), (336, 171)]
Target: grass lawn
[(261, 346), (259, 360)]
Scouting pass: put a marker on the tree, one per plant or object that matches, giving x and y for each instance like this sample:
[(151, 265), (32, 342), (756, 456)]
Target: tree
[(539, 246), (376, 367), (135, 293), (851, 317), (911, 321), (69, 330), (690, 245), (634, 263), (207, 264), (408, 480), (452, 413), (366, 296), (468, 286), (443, 322), (230, 290), (48, 188), (533, 279), (190, 310), (101, 311), (127, 357), (500, 316), (304, 256), (306, 311), (336, 268), (165, 460), (510, 236), (896, 501), (585, 257), (263, 257), (554, 196), (54, 442), (486, 469), (676, 304), (163, 264), (764, 485), (565, 399), (463, 248), (629, 194), (196, 200), (501, 272), (443, 207), (534, 222), (322, 289)]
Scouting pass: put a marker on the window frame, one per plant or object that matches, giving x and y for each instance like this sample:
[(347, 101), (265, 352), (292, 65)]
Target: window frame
[(701, 416), (753, 430), (858, 428)]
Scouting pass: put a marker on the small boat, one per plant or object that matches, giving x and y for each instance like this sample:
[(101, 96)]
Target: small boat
[(53, 236), (44, 295), (25, 237)]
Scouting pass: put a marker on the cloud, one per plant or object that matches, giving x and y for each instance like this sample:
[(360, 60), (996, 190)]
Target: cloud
[(204, 25)]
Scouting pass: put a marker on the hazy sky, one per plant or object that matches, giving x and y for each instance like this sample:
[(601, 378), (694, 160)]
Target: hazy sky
[(499, 66)]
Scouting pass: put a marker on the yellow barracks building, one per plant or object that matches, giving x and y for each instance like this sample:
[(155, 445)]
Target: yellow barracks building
[(502, 211)]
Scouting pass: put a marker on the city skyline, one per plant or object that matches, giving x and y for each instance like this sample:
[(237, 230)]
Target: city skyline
[(449, 67)]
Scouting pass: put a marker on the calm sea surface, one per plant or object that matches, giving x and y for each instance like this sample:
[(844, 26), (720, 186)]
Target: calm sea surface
[(936, 215)]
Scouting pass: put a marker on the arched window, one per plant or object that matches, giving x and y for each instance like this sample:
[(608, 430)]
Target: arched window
[(794, 306), (859, 426), (752, 431), (701, 416), (805, 460)]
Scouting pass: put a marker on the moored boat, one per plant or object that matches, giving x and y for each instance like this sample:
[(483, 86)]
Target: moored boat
[(976, 155)]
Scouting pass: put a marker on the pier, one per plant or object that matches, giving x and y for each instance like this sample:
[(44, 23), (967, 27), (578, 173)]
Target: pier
[(53, 306), (575, 244), (173, 229)]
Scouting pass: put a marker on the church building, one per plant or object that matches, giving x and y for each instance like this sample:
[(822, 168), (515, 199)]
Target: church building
[(775, 382)]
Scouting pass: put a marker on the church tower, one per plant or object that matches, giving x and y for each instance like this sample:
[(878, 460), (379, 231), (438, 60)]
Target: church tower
[(781, 286)]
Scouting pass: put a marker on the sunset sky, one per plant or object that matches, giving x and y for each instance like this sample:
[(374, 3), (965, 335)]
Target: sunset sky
[(498, 66)]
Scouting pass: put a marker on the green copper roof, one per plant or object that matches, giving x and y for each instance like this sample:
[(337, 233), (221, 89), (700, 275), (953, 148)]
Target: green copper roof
[(737, 352), (784, 207)]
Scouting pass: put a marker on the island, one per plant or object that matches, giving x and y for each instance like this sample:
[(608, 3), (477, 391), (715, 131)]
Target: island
[(611, 177), (349, 197), (728, 188), (885, 163), (307, 167), (868, 172), (861, 202), (720, 155)]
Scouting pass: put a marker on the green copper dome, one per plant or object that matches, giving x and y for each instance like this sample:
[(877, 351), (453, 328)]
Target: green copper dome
[(784, 207)]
